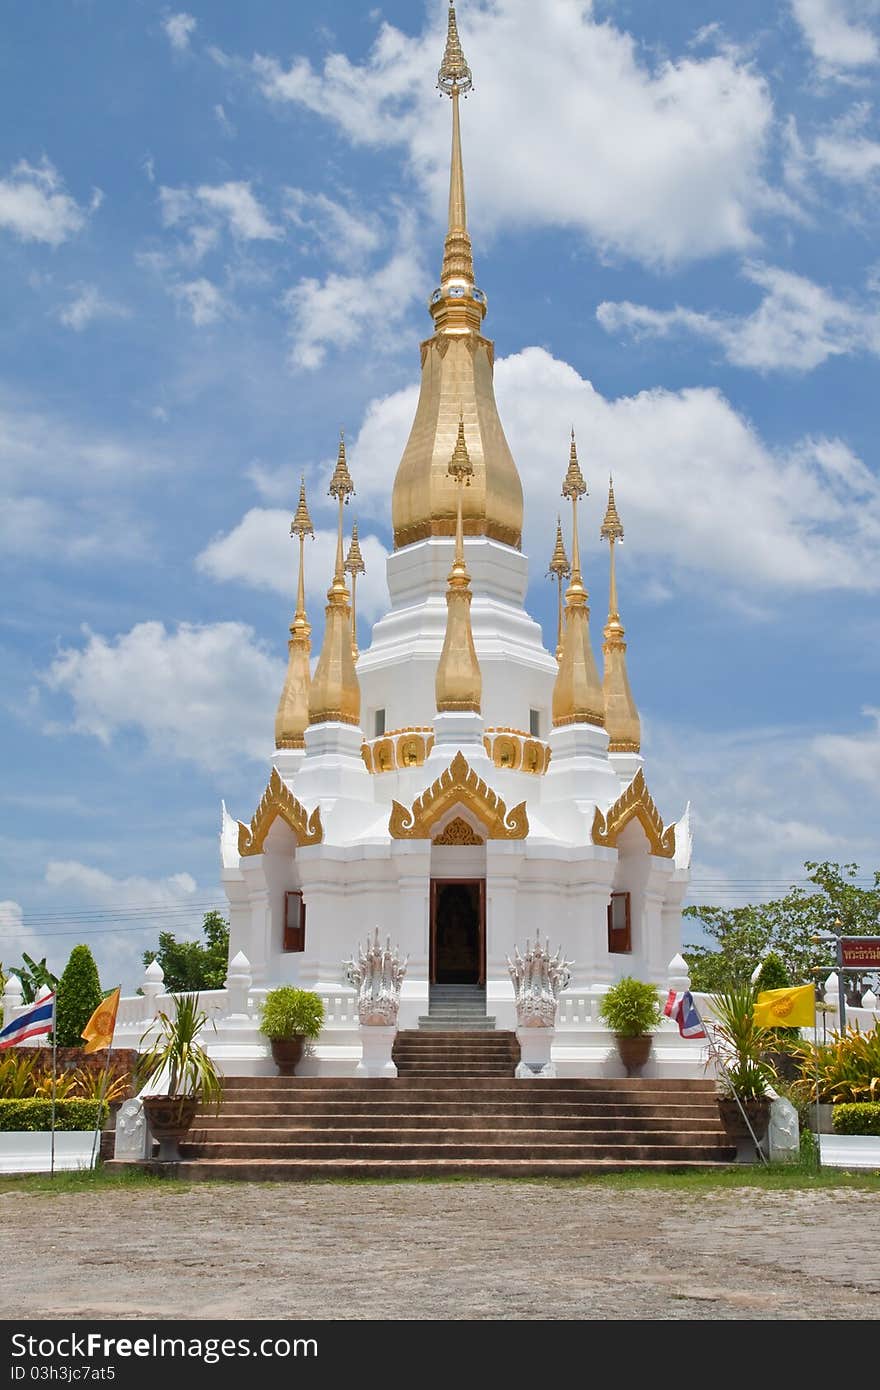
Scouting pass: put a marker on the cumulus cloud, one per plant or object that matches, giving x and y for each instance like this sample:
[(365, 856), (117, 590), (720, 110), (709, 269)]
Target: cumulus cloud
[(201, 299), (797, 326), (696, 484), (845, 151), (35, 205), (179, 29), (345, 235), (837, 33), (337, 310), (260, 552), (232, 204), (87, 305), (96, 886), (857, 756), (676, 174), (201, 693)]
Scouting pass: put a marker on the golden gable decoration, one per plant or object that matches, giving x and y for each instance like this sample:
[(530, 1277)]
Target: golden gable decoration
[(459, 783), (635, 803), (459, 832), (279, 800)]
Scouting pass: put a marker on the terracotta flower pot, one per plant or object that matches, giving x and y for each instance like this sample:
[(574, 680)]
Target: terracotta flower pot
[(758, 1112), (169, 1119), (634, 1052), (286, 1054)]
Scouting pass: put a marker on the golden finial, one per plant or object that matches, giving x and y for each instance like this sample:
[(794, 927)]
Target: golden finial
[(335, 694), (292, 716), (612, 528), (459, 681), (621, 715), (454, 74), (577, 693), (354, 565), (560, 569)]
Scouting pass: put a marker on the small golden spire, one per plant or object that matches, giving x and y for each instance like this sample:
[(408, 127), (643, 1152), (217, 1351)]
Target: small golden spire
[(335, 694), (559, 570), (459, 681), (292, 717), (354, 565), (621, 715), (454, 71), (454, 78), (577, 693)]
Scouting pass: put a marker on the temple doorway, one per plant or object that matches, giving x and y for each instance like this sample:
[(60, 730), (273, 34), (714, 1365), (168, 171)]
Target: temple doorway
[(458, 931)]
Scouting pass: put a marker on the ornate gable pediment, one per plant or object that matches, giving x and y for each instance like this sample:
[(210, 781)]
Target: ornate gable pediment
[(279, 800), (636, 803), (459, 784)]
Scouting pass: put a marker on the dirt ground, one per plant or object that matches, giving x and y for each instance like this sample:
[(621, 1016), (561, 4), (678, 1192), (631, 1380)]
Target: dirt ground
[(488, 1250)]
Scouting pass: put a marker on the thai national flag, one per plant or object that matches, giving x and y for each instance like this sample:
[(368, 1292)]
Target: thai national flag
[(38, 1018), (681, 1007)]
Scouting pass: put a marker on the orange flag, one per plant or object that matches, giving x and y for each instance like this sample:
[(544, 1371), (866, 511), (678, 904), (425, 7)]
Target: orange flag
[(98, 1032)]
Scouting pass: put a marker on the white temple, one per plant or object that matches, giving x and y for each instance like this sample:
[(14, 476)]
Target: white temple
[(456, 784)]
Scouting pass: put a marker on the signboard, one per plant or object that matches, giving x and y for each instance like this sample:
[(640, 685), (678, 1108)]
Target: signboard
[(860, 952)]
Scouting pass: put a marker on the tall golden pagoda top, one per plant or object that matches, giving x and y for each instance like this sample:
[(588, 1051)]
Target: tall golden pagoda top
[(354, 560), (559, 564), (612, 526), (573, 484), (341, 485), (454, 71), (302, 522)]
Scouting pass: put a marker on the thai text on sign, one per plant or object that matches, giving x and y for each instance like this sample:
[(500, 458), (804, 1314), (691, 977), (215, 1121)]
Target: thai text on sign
[(860, 952)]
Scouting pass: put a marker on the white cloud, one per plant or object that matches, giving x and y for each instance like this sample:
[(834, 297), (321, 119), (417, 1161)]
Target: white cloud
[(35, 206), (836, 33), (96, 886), (259, 551), (200, 693), (337, 310), (87, 305), (696, 485), (201, 299), (857, 756), (674, 173), (345, 235), (16, 936), (845, 152), (797, 326), (179, 29), (223, 121), (236, 202)]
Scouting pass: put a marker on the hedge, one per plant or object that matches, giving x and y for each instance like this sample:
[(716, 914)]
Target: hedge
[(861, 1118), (34, 1113)]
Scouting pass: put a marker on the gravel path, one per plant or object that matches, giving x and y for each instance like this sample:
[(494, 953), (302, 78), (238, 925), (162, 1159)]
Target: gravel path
[(488, 1250)]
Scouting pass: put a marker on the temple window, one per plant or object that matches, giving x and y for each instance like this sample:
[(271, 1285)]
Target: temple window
[(378, 723), (535, 723), (619, 928)]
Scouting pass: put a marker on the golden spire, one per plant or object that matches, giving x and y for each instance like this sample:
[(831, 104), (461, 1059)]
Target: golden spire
[(459, 682), (559, 569), (292, 717), (457, 367), (621, 715), (354, 565), (335, 694), (577, 694)]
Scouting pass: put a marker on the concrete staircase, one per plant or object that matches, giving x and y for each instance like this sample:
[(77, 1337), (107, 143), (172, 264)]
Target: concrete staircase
[(433, 1053), (435, 1125), (454, 1007)]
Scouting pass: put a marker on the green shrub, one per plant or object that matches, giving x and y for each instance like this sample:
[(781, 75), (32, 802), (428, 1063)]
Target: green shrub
[(289, 1013), (847, 1067), (631, 1008), (79, 994), (18, 1076), (34, 1113), (857, 1119)]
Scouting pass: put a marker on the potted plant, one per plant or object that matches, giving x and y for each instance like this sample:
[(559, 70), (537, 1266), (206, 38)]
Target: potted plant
[(632, 1011), (289, 1018), (177, 1060), (746, 1076)]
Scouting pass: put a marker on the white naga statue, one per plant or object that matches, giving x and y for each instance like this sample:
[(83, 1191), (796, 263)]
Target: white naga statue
[(538, 979), (377, 975)]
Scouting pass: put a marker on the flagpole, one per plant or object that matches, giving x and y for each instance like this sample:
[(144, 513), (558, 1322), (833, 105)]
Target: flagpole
[(54, 1076), (719, 1061), (101, 1096)]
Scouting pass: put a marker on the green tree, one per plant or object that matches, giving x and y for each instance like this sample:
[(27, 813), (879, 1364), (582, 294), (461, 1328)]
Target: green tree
[(744, 935), (191, 965), (33, 975), (79, 994)]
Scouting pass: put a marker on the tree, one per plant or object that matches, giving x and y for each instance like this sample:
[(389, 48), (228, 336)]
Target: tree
[(189, 965), (744, 935), (79, 994), (33, 974)]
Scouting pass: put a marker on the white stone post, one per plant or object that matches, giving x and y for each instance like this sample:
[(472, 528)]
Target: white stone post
[(238, 986), (830, 991), (13, 997), (151, 985), (377, 973), (869, 1000), (677, 976), (376, 1044)]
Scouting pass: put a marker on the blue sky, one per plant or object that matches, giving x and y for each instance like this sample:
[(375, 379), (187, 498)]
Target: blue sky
[(219, 226)]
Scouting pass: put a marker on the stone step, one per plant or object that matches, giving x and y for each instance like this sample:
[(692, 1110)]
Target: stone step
[(404, 1120), (292, 1170), (577, 1088), (273, 1150), (429, 1109), (443, 1134)]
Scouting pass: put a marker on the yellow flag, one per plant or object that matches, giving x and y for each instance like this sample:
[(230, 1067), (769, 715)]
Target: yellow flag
[(98, 1032), (786, 1008)]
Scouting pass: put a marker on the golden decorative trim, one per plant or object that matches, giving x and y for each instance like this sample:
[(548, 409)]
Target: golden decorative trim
[(459, 832), (635, 803), (622, 746), (398, 748), (279, 800), (515, 750), (459, 783)]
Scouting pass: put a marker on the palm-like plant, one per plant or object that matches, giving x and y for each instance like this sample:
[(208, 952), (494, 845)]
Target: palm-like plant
[(742, 1044), (846, 1069), (178, 1054)]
